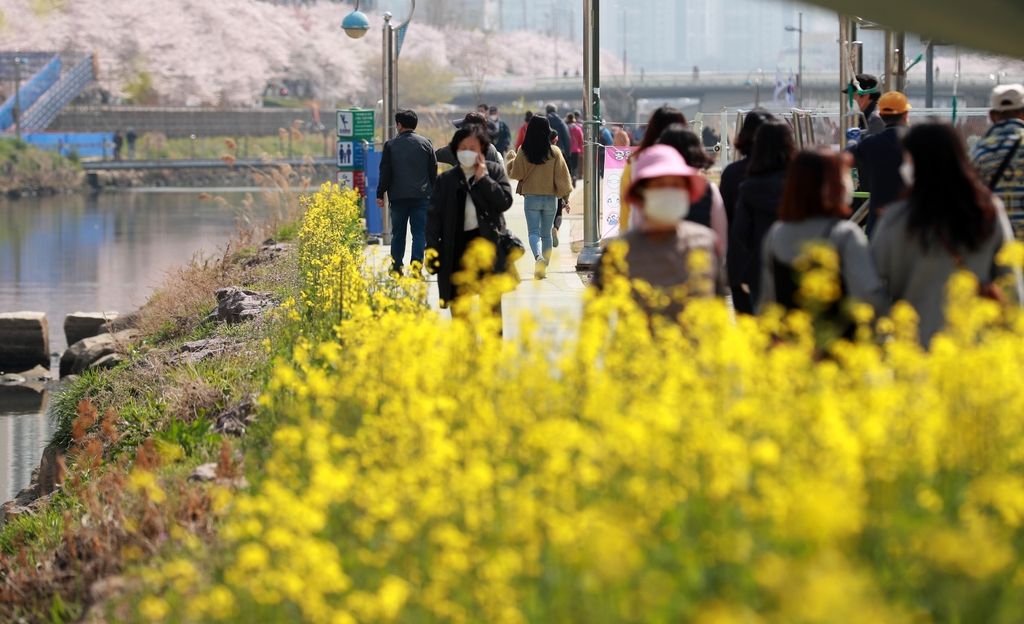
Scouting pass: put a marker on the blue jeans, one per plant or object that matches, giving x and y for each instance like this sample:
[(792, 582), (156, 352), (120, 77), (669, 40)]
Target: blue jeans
[(540, 218), (405, 213)]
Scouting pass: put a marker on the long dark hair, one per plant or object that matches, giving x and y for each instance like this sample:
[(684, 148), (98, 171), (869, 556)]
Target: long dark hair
[(773, 148), (751, 122), (536, 143), (947, 199), (688, 144), (660, 119), (814, 188)]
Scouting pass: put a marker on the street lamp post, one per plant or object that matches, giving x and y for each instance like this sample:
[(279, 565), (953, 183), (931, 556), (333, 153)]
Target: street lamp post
[(800, 60), (356, 25), (591, 252)]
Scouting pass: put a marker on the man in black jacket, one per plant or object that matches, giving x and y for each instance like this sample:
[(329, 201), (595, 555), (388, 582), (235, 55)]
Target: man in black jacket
[(408, 169), (564, 141), (880, 156), (503, 137)]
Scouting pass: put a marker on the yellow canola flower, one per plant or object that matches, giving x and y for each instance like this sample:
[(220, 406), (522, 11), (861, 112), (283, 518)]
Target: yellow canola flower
[(693, 469)]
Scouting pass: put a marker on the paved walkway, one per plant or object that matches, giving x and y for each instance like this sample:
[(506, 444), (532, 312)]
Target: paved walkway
[(560, 294)]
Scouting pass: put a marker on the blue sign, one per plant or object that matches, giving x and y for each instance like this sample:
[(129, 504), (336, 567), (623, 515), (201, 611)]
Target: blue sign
[(374, 219), (352, 154)]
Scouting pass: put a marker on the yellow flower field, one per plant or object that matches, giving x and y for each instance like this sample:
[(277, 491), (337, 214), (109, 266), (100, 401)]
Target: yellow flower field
[(711, 472)]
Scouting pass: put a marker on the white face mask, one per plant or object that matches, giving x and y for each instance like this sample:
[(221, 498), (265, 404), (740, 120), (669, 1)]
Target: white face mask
[(855, 107), (666, 205), (467, 158), (907, 173), (494, 118)]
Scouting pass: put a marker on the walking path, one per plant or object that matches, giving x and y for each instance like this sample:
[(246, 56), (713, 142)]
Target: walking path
[(560, 294)]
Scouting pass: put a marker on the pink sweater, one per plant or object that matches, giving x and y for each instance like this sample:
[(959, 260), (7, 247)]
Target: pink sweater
[(576, 138)]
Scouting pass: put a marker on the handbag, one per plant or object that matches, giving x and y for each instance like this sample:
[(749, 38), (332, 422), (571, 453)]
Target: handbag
[(985, 291)]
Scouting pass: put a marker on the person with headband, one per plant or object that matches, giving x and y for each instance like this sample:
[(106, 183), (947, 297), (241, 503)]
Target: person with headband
[(658, 250), (862, 96)]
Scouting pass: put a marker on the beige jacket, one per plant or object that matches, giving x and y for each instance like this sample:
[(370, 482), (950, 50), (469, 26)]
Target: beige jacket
[(550, 178)]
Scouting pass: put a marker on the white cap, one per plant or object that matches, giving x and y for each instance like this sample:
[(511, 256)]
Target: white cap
[(1008, 97)]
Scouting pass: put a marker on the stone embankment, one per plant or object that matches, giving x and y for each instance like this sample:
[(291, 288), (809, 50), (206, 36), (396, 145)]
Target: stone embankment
[(101, 340)]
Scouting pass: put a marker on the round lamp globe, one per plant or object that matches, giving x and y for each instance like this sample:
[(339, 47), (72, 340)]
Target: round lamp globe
[(356, 24)]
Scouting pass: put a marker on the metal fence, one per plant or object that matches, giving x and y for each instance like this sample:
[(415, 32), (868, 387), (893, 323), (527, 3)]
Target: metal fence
[(822, 127), (184, 122)]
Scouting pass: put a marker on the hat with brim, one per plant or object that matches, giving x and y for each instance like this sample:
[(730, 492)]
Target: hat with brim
[(458, 123), (659, 161), (893, 103)]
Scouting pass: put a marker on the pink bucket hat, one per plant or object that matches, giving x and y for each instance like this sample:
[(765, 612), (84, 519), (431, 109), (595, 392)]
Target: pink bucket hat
[(663, 160)]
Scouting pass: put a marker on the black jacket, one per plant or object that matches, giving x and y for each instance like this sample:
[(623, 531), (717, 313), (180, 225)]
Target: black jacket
[(879, 157), (492, 196), (503, 138), (564, 140), (756, 210), (408, 167)]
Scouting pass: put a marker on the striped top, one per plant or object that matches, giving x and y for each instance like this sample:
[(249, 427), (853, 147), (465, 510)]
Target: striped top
[(989, 153)]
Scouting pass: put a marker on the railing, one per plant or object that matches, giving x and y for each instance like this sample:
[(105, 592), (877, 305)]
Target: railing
[(31, 91), (60, 95)]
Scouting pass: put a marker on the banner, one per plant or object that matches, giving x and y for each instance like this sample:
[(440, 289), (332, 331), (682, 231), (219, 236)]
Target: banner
[(614, 164)]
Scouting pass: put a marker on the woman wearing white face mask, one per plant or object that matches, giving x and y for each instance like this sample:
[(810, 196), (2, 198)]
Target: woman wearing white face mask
[(468, 202), (659, 249)]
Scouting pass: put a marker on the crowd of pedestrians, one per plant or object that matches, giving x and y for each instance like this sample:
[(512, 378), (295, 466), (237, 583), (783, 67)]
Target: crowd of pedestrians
[(933, 209)]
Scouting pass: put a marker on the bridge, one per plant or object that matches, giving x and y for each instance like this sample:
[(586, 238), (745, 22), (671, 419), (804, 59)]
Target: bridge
[(714, 90), (49, 81)]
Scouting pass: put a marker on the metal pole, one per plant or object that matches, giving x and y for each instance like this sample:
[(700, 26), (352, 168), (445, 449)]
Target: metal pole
[(591, 253), (800, 63), (17, 96), (889, 84), (844, 77), (388, 123), (901, 61), (929, 80), (624, 72)]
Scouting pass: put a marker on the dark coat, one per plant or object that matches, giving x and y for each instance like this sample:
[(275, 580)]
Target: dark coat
[(408, 167), (564, 140), (736, 256), (756, 210), (879, 157), (492, 196)]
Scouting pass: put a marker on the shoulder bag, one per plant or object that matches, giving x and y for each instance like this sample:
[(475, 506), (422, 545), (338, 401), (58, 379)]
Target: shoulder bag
[(985, 291), (1003, 166)]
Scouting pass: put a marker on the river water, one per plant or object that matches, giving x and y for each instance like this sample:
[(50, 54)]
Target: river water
[(91, 253)]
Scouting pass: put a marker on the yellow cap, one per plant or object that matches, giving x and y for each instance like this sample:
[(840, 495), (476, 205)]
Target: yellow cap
[(893, 103)]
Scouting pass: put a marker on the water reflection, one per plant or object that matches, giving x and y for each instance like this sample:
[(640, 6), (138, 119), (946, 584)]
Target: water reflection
[(90, 253), (24, 431)]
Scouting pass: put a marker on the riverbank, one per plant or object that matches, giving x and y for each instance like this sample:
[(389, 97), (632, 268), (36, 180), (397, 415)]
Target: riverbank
[(280, 176), (27, 170), (182, 398)]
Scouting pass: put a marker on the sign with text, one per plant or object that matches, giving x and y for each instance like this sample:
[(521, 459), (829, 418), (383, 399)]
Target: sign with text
[(353, 180), (352, 154), (614, 164), (356, 124)]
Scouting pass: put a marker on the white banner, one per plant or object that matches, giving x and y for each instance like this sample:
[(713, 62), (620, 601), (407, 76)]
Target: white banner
[(614, 163)]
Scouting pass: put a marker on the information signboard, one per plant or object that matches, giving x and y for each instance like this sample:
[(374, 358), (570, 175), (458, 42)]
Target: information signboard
[(356, 124)]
